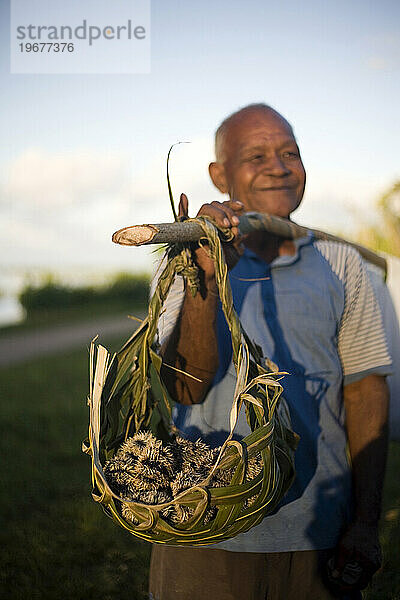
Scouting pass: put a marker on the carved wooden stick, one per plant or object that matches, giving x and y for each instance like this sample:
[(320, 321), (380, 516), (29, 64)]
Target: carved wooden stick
[(189, 231)]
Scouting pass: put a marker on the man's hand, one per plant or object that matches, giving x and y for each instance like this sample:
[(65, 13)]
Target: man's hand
[(357, 557), (224, 214)]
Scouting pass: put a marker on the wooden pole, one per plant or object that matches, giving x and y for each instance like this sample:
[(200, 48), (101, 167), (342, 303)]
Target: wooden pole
[(190, 231)]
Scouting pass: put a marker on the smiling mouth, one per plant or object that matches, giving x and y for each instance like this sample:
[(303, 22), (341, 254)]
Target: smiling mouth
[(273, 189)]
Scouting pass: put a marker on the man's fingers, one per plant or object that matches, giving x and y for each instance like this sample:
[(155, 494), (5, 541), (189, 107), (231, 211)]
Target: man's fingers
[(356, 559), (231, 208), (224, 213), (355, 575), (183, 209)]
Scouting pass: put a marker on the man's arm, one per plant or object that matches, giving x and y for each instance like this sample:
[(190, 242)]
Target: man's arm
[(192, 345), (366, 405)]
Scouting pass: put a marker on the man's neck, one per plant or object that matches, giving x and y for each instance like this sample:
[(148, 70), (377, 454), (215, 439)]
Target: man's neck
[(268, 247)]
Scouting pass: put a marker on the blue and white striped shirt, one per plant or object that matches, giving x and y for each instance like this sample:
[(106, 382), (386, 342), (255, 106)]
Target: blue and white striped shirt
[(315, 315)]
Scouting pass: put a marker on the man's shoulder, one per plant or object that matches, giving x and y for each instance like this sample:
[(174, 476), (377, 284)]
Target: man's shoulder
[(337, 249), (344, 260)]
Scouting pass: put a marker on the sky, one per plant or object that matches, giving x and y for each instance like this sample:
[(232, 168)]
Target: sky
[(84, 155)]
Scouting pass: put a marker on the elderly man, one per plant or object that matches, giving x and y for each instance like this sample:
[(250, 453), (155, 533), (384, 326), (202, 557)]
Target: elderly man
[(310, 306)]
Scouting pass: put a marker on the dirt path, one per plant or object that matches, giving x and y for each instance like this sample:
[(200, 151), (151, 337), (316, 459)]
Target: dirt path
[(26, 345)]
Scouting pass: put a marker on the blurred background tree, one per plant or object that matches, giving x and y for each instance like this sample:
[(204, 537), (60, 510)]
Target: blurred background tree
[(385, 234)]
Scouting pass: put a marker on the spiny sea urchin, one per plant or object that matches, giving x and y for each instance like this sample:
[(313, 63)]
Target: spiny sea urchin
[(147, 471)]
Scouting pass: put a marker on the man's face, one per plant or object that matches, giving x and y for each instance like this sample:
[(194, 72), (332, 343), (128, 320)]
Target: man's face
[(261, 165)]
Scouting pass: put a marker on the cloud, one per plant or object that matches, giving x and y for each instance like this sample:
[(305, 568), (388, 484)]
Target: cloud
[(46, 180), (27, 241), (377, 63), (62, 208), (385, 52)]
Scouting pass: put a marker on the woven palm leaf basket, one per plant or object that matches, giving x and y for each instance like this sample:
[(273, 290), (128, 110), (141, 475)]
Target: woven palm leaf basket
[(147, 477)]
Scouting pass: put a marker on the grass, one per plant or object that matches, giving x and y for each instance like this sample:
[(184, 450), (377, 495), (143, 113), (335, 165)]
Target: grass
[(55, 541), (386, 583)]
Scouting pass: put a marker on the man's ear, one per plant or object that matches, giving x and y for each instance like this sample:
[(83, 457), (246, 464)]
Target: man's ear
[(218, 176)]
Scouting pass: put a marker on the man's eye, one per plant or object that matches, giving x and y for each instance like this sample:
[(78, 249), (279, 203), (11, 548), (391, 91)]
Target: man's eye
[(290, 154), (257, 157)]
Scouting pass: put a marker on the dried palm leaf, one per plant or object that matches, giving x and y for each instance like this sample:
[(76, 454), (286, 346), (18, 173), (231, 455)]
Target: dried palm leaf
[(214, 499)]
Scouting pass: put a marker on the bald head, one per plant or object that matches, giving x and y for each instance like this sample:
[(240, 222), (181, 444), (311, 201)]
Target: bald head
[(222, 133), (258, 161)]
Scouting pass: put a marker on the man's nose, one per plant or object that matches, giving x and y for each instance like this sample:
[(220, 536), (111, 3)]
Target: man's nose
[(276, 167)]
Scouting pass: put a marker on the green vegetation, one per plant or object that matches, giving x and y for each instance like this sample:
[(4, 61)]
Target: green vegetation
[(55, 541), (124, 289), (385, 235), (52, 303)]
